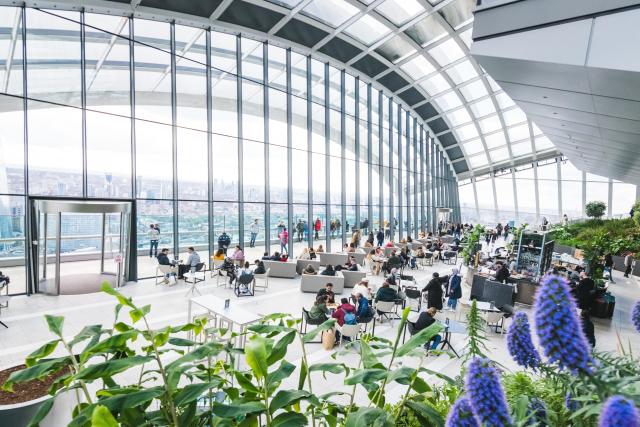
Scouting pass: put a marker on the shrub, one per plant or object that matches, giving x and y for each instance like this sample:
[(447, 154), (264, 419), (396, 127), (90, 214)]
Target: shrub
[(595, 209)]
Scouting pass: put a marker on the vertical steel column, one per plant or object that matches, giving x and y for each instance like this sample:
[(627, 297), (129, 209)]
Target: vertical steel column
[(83, 103), (240, 142), (475, 199), (289, 152), (584, 193), (267, 141), (327, 158), (133, 261), (104, 230), (310, 222), (428, 181), (211, 233), (58, 250), (422, 180), (407, 184), (369, 159), (392, 220), (174, 137), (535, 181), (416, 179), (400, 199), (559, 169), (343, 149), (30, 261), (357, 151), (495, 198), (515, 193), (381, 161), (610, 199)]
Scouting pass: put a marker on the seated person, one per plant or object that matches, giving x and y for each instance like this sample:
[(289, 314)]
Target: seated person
[(386, 293), (588, 327), (328, 292), (238, 255), (275, 256), (338, 267), (309, 269), (351, 265), (345, 248), (368, 244), (319, 311), (345, 313), (502, 274), (284, 257), (320, 249), (362, 288), (425, 319), (246, 269), (219, 255), (4, 279), (305, 254), (312, 253), (259, 268), (246, 277), (266, 257), (404, 256), (391, 278), (229, 267), (191, 264), (420, 253), (163, 259), (403, 241), (409, 239), (328, 271), (363, 312), (389, 244), (394, 261)]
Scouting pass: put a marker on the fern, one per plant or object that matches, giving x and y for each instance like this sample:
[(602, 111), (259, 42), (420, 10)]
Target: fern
[(476, 325)]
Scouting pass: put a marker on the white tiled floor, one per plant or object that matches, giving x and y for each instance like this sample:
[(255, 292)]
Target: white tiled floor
[(27, 328)]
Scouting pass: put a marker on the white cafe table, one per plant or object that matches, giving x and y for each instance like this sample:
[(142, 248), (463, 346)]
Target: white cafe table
[(483, 306), (235, 315)]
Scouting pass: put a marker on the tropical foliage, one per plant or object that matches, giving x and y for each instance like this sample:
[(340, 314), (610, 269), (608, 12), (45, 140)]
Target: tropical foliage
[(614, 236), (595, 209), (473, 238)]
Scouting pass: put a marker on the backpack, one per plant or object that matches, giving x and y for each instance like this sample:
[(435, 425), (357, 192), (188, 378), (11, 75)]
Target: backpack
[(350, 318)]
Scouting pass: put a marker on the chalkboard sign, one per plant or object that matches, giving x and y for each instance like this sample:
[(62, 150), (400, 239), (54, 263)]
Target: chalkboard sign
[(499, 293), (477, 287)]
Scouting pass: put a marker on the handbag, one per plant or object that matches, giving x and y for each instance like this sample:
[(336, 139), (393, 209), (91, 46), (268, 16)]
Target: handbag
[(328, 339)]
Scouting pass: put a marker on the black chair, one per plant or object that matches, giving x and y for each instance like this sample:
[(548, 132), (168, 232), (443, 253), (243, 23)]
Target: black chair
[(450, 257), (413, 294), (247, 280), (308, 320)]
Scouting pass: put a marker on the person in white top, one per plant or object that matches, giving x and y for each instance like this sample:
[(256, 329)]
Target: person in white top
[(154, 237), (254, 229), (362, 288)]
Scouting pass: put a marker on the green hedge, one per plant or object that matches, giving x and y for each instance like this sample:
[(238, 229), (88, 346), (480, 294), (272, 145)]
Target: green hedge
[(615, 235)]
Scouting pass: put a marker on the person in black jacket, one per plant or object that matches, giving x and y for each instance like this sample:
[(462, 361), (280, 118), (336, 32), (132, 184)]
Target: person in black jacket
[(608, 266), (585, 291), (163, 259), (587, 327), (503, 273), (380, 237), (328, 271), (426, 319), (434, 292)]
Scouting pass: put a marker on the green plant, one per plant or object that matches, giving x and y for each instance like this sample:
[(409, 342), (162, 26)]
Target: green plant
[(595, 209), (182, 381), (517, 232), (476, 325), (472, 240)]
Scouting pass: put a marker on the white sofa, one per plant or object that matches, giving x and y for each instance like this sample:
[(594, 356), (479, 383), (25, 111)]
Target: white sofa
[(285, 270), (315, 282), (352, 278), (332, 259), (301, 264)]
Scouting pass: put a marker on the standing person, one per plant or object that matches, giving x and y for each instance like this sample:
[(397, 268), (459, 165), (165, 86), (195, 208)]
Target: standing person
[(317, 227), (380, 237), (284, 240), (506, 231), (455, 289), (499, 229), (305, 231), (565, 220), (279, 228), (434, 292), (154, 238), (254, 229), (355, 238), (545, 223), (628, 263), (332, 228), (608, 266), (299, 230), (338, 226)]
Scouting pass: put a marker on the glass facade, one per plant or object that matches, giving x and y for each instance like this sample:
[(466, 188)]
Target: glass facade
[(207, 132), (547, 189)]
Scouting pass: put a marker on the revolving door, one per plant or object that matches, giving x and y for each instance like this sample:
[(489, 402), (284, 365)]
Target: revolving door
[(77, 245)]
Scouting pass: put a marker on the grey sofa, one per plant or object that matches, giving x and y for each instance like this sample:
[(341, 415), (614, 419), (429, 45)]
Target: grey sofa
[(359, 256), (301, 264), (332, 259), (352, 278), (315, 282), (285, 270)]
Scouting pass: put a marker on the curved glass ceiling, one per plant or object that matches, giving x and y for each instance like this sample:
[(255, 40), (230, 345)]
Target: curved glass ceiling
[(417, 49)]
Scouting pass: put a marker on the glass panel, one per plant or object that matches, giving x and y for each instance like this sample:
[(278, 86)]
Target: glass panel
[(400, 11), (459, 116), (395, 49), (466, 37), (253, 171), (548, 190), (462, 72), (11, 73), (278, 166), (499, 154), (417, 67), (193, 229), (332, 12), (514, 116), (504, 192), (543, 143), (448, 101), (447, 52), (191, 78), (108, 155), (159, 213), (458, 12), (622, 197), (12, 247), (223, 84), (482, 108), (490, 124), (495, 140), (521, 149), (426, 31), (55, 150), (367, 29), (473, 91), (504, 101), (225, 178), (253, 220), (466, 132), (11, 144), (473, 147), (192, 164), (154, 153), (435, 84), (484, 188), (478, 161), (518, 132), (225, 220)]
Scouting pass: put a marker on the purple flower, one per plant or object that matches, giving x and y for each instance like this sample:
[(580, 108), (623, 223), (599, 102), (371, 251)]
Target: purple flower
[(486, 395), (537, 412), (558, 327), (569, 403), (519, 342), (619, 411), (635, 316), (461, 414)]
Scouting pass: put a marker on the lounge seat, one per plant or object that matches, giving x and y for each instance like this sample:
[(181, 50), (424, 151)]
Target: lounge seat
[(286, 270), (351, 278), (301, 264), (315, 282), (359, 256), (332, 259)]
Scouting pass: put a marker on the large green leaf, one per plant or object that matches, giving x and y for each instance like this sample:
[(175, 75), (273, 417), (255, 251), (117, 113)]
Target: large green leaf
[(290, 419), (102, 418), (284, 371), (244, 381), (369, 359), (255, 352), (311, 335), (138, 313), (86, 333), (106, 287), (181, 342), (235, 410), (43, 351), (279, 350), (191, 392), (401, 375), (419, 339), (199, 353), (111, 367), (286, 398), (427, 413), (55, 324), (43, 368), (334, 368), (365, 376), (43, 411), (117, 341), (304, 370), (369, 417), (269, 329)]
